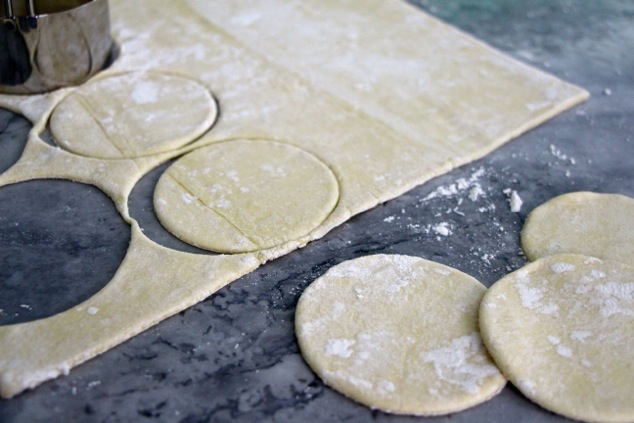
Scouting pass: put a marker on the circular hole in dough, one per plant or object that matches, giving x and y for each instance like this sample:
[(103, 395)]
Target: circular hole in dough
[(60, 243), (597, 225), (141, 207), (399, 334), (560, 329), (245, 195), (14, 131), (132, 115)]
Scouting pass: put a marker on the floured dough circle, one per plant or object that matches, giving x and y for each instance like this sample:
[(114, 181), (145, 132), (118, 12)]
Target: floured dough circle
[(133, 115), (245, 195), (561, 330), (399, 334), (598, 225)]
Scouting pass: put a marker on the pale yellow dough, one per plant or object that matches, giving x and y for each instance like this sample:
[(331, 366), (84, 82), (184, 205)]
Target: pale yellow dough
[(245, 195), (398, 333), (560, 329), (592, 224), (384, 95), (132, 115)]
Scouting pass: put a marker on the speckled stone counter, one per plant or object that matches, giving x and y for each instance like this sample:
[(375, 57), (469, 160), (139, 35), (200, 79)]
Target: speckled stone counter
[(234, 357)]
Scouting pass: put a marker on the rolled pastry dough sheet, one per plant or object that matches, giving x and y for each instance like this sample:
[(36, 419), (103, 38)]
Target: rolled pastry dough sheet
[(382, 94), (245, 195), (399, 334), (587, 223), (560, 329), (132, 115)]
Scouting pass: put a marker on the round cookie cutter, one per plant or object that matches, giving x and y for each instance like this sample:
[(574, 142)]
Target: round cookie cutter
[(49, 44)]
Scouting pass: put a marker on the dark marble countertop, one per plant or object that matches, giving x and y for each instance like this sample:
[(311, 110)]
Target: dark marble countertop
[(234, 356)]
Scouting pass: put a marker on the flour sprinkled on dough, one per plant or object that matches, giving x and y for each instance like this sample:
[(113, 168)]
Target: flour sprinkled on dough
[(96, 119), (350, 327), (340, 347), (461, 364), (562, 267), (576, 362), (145, 92), (245, 195)]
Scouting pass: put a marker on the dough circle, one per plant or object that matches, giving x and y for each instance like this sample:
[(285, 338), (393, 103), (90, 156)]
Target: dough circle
[(398, 333), (133, 115), (561, 330), (245, 195), (591, 224)]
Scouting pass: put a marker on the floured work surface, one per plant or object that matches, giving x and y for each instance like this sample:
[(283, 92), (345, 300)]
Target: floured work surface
[(382, 112)]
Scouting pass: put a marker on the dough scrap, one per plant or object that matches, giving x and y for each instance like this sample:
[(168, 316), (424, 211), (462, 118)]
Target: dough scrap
[(399, 334), (587, 223), (245, 195), (560, 329), (377, 149), (132, 115)]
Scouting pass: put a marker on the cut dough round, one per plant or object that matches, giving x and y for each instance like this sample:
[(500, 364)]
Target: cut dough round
[(399, 334), (133, 115), (245, 195), (561, 330), (597, 225)]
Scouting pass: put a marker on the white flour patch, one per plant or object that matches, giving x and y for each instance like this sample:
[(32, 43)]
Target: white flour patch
[(145, 92), (442, 229), (614, 298), (538, 105), (442, 271), (360, 273), (562, 267), (232, 175), (580, 335), (460, 364), (386, 387), (515, 201), (475, 193), (246, 19), (621, 291), (564, 351), (531, 297), (357, 381), (561, 156), (223, 203), (340, 347), (188, 198), (273, 171), (459, 186)]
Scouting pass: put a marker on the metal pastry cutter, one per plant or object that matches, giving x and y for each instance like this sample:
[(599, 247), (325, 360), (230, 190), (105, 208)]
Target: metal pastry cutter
[(49, 44)]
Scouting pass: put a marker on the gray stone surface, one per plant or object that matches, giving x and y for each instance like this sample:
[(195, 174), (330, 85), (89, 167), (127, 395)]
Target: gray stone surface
[(235, 357)]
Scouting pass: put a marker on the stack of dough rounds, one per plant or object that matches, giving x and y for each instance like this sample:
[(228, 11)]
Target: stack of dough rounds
[(399, 334), (562, 328)]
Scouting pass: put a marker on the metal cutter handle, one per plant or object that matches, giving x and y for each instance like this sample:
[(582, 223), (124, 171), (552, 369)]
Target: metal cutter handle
[(25, 22)]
